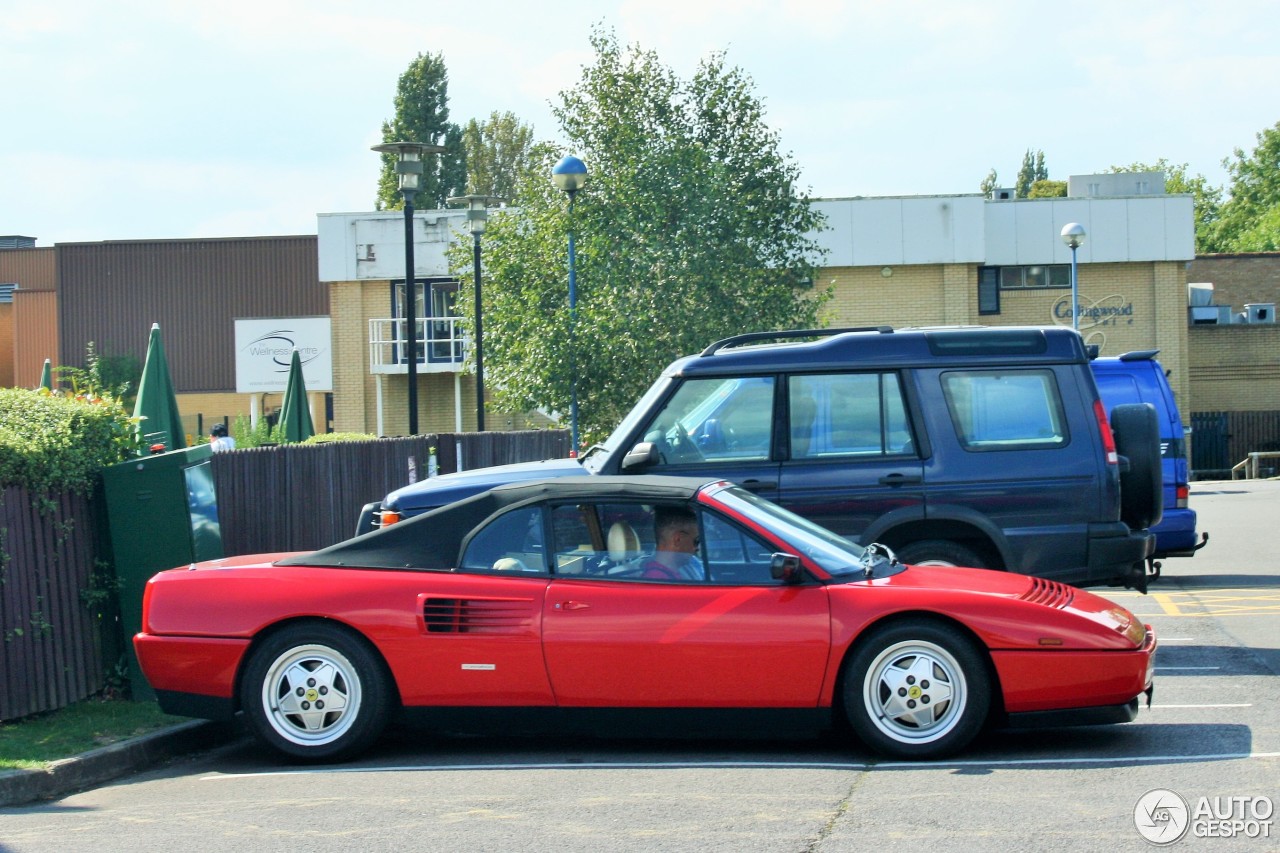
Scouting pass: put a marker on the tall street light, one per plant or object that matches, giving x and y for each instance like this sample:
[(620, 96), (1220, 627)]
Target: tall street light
[(409, 168), (1073, 236), (477, 216), (569, 175)]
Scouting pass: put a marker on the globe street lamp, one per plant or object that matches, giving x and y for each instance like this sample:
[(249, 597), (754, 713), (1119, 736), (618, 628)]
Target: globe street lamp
[(409, 168), (569, 175), (1073, 236), (477, 216)]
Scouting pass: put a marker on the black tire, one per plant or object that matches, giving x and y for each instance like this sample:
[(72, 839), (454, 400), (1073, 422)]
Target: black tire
[(941, 552), (1137, 433), (916, 690), (316, 692)]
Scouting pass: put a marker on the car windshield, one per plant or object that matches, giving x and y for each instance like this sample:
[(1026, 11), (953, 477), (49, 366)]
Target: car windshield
[(594, 461), (834, 554)]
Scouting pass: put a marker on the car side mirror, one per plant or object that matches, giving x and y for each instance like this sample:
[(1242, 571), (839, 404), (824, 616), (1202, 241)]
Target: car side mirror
[(785, 568), (640, 457)]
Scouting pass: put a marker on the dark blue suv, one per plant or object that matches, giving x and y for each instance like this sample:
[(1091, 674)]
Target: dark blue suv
[(985, 447)]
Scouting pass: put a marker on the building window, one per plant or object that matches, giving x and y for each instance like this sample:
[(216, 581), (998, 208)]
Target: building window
[(1033, 277), (988, 290)]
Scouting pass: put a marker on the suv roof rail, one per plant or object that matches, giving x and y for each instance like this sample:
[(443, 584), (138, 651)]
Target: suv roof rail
[(753, 337)]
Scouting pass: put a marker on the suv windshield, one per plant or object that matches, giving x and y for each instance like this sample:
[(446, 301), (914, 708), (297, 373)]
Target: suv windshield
[(834, 554), (593, 462)]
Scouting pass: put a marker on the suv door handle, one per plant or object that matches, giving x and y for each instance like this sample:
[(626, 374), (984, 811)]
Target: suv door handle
[(901, 479), (758, 485)]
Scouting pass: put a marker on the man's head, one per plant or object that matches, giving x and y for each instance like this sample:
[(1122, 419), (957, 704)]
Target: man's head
[(676, 529)]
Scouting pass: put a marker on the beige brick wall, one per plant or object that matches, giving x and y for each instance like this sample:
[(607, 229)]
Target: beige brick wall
[(1139, 306), (1235, 368), (440, 395)]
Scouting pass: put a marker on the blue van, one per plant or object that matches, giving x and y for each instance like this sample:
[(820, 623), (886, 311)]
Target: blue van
[(1137, 377)]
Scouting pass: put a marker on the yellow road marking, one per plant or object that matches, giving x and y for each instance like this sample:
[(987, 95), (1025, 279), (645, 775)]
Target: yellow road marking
[(1205, 602)]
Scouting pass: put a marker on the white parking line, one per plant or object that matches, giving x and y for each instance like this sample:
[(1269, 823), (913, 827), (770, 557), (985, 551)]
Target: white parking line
[(765, 765), (1186, 668), (1242, 705)]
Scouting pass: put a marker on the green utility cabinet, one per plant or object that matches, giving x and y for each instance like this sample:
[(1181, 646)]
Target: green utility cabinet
[(162, 512)]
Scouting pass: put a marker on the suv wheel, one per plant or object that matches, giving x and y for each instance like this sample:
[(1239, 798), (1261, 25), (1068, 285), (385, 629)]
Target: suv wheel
[(940, 552), (1137, 434)]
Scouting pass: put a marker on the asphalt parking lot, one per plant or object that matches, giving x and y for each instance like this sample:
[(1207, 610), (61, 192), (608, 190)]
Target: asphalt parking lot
[(1210, 742)]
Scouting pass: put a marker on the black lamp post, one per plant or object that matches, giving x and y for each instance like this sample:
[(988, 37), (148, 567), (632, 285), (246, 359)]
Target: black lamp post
[(477, 216), (409, 168), (569, 175)]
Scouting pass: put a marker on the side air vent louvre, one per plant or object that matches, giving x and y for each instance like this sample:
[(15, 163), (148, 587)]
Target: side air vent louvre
[(1049, 593), (477, 615)]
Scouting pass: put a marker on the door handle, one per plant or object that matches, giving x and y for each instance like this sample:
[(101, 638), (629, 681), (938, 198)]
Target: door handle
[(901, 479), (759, 485), (571, 605)]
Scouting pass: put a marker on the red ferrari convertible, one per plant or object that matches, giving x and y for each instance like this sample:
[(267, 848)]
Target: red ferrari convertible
[(630, 597)]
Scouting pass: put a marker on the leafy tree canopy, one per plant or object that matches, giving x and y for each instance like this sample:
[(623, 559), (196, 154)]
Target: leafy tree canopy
[(1249, 220), (690, 229), (1047, 189), (499, 155), (1033, 169), (422, 115)]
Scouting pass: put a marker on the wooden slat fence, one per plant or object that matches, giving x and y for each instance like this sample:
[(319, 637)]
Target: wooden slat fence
[(302, 497), (50, 644), (1219, 440)]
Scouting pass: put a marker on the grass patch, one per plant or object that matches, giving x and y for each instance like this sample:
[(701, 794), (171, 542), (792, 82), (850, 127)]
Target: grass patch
[(36, 740)]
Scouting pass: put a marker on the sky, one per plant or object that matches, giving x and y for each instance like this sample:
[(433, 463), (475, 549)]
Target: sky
[(137, 120)]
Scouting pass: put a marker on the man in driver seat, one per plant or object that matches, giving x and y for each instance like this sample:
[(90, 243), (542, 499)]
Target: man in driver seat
[(676, 558)]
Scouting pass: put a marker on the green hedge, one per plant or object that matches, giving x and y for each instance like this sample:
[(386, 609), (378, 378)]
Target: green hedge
[(57, 442)]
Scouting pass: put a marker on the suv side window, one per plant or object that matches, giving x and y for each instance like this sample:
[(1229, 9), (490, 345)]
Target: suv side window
[(718, 419), (843, 414), (1004, 409)]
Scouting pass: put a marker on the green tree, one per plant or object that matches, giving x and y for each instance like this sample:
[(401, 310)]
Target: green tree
[(690, 229), (499, 155), (1206, 199), (1033, 169), (1045, 188), (1249, 219), (990, 183), (422, 115)]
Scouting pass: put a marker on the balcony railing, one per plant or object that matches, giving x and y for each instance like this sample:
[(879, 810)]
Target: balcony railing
[(441, 345)]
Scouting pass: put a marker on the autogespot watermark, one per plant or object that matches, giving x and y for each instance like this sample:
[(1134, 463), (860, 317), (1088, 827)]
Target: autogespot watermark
[(1163, 817)]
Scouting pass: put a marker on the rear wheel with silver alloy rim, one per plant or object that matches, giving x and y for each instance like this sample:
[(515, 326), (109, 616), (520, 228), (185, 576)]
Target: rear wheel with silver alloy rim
[(917, 689), (316, 692)]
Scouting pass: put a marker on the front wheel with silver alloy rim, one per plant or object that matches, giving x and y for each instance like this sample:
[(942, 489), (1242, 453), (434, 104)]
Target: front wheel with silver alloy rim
[(917, 689)]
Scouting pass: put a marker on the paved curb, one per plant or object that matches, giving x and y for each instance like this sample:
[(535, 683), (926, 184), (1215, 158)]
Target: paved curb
[(88, 769)]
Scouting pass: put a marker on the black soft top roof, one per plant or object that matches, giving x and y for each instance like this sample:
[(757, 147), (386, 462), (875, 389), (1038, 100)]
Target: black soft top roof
[(434, 539)]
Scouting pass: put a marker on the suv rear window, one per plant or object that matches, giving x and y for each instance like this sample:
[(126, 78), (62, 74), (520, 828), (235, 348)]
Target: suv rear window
[(1005, 410)]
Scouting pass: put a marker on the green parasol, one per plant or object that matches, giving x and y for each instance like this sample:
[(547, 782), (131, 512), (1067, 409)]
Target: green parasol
[(295, 415), (157, 403)]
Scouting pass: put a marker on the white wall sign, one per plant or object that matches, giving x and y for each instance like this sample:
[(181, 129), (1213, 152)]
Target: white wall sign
[(264, 349)]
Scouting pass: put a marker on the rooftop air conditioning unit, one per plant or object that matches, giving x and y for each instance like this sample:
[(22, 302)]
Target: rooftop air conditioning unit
[(1260, 312), (1004, 194), (1199, 293), (1210, 315)]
